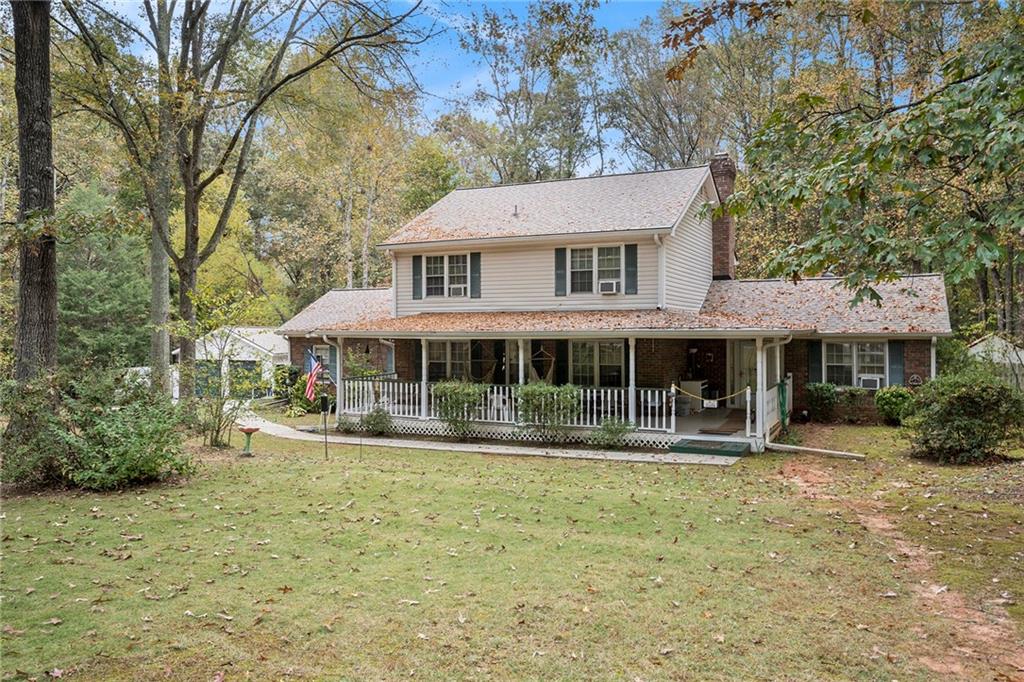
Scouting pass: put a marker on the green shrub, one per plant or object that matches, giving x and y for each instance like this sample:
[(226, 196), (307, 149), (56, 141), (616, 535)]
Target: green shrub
[(95, 431), (347, 424), (822, 399), (358, 364), (852, 398), (299, 405), (894, 404), (377, 422), (964, 417), (548, 410), (611, 433), (456, 403), (285, 377)]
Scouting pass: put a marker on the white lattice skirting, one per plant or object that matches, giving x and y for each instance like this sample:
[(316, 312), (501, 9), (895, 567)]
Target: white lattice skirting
[(491, 431)]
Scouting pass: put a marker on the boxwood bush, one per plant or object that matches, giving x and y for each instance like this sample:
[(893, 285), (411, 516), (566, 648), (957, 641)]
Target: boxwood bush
[(456, 404), (894, 404), (964, 417), (822, 399), (611, 434), (548, 410)]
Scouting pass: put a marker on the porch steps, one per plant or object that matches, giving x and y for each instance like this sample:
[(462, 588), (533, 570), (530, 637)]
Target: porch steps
[(693, 446)]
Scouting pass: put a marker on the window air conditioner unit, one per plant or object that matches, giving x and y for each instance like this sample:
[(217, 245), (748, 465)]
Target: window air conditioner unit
[(871, 380), (608, 286), (457, 291)]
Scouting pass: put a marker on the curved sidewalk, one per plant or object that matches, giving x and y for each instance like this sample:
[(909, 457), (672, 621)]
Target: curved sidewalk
[(281, 431)]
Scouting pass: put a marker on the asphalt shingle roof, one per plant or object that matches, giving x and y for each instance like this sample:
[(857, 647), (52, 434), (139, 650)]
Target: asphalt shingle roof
[(339, 307), (911, 305), (914, 305), (603, 203)]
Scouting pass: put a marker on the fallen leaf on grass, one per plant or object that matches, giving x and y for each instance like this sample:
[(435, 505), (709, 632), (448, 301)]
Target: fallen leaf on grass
[(8, 630), (53, 621)]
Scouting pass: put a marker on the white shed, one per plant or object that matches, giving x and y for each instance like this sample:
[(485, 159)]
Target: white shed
[(1006, 355), (249, 347)]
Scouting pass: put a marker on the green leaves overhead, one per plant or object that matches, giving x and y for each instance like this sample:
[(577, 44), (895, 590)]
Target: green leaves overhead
[(932, 183)]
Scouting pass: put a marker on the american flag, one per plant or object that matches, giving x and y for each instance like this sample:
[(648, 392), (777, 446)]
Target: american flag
[(314, 375)]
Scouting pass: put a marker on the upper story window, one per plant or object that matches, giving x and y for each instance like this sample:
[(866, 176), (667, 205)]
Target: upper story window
[(590, 266), (447, 275)]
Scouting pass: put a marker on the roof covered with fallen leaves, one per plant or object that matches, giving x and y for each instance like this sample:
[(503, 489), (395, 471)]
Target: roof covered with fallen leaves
[(911, 306), (606, 203)]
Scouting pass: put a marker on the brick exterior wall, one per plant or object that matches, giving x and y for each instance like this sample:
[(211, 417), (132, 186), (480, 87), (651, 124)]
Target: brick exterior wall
[(917, 360), (298, 345), (723, 228)]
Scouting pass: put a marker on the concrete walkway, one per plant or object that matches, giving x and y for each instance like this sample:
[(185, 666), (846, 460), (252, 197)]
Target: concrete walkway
[(282, 431)]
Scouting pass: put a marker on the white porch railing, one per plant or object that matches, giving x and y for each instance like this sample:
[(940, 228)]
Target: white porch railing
[(772, 413), (500, 404)]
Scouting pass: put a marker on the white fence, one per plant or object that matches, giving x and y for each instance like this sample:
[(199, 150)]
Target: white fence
[(772, 413), (500, 404)]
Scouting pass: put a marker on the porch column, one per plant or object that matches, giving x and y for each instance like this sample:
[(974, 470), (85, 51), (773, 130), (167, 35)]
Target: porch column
[(762, 383), (338, 399), (522, 360), (632, 379), (424, 398), (778, 362)]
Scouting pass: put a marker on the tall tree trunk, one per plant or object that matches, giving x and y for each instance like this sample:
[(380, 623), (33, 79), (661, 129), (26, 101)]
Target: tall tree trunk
[(35, 344), (162, 174), (371, 197), (187, 277), (350, 266)]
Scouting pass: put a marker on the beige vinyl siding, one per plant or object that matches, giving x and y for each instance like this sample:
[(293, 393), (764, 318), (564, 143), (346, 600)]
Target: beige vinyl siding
[(688, 260), (522, 277)]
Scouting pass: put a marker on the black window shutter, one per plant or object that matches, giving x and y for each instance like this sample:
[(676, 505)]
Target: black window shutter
[(474, 274), (559, 272), (561, 362), (895, 363), (814, 373), (417, 359), (629, 286), (417, 277)]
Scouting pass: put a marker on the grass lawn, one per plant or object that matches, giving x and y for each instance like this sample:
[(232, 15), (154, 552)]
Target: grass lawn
[(386, 563)]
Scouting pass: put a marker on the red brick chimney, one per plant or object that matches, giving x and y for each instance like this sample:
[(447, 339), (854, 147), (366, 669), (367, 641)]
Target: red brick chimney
[(723, 228)]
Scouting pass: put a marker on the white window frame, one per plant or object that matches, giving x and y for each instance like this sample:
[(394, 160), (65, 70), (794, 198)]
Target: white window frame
[(596, 379), (448, 359), (447, 274), (595, 286), (855, 343)]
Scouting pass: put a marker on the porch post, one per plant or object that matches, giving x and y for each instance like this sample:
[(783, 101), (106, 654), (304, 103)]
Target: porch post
[(632, 379), (761, 384), (424, 398), (778, 362), (522, 360), (339, 394)]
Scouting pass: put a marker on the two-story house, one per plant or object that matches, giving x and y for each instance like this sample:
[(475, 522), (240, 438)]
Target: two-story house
[(623, 286)]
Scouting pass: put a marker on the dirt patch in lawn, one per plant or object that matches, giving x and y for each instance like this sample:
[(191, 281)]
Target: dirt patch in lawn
[(984, 641)]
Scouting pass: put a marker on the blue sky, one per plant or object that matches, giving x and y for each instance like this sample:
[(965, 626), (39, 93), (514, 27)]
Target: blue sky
[(446, 71)]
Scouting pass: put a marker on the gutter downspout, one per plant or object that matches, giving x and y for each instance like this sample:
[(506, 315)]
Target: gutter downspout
[(768, 445), (934, 363)]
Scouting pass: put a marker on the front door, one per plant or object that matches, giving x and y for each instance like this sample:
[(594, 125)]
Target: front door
[(744, 371)]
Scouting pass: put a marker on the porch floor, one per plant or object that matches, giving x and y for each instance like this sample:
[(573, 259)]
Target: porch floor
[(715, 421)]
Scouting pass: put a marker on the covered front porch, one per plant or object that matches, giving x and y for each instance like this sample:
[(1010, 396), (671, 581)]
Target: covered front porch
[(667, 386)]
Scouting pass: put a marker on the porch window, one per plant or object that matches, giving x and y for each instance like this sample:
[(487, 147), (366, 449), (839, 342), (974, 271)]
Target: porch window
[(583, 364), (435, 275), (447, 360), (581, 271), (597, 363)]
